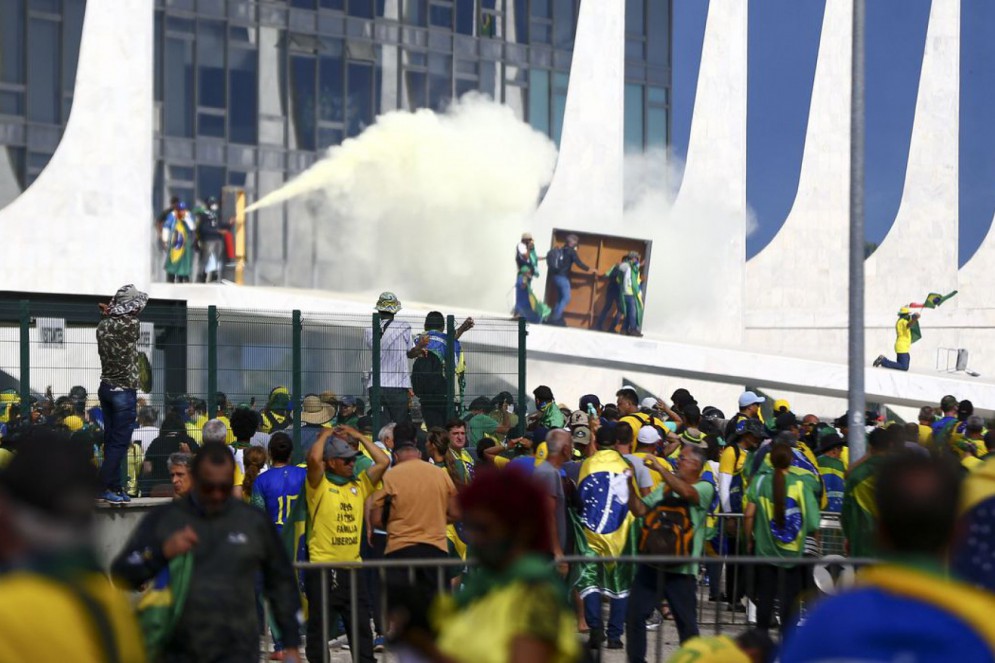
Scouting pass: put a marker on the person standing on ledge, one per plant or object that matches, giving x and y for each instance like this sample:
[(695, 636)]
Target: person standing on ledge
[(396, 348), (903, 341), (117, 345), (560, 260)]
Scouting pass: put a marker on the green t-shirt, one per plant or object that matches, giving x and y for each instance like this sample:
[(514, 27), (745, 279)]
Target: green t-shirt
[(706, 493), (478, 426), (801, 515)]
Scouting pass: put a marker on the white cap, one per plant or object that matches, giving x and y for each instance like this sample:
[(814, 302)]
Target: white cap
[(648, 435), (649, 403), (748, 398)]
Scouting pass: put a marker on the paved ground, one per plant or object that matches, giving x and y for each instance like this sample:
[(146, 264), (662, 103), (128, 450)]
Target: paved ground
[(663, 639)]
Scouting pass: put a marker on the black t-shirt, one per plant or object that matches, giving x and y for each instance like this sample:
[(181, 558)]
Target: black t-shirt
[(158, 455)]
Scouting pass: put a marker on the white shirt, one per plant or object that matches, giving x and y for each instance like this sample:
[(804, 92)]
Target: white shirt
[(394, 346), (144, 436)]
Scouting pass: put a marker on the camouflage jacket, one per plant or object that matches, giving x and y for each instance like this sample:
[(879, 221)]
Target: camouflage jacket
[(117, 343)]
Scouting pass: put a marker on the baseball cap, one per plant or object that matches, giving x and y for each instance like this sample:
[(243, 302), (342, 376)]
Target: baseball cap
[(348, 401), (648, 435), (578, 418), (581, 435), (748, 398), (782, 405), (648, 403), (338, 448)]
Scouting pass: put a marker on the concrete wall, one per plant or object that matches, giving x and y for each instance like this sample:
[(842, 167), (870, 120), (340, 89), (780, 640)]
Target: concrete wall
[(705, 232), (98, 185)]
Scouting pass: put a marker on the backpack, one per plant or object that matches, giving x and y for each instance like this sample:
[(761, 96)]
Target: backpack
[(667, 528), (556, 259), (428, 376)]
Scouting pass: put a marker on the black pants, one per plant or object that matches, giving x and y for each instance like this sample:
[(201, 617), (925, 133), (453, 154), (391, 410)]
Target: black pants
[(649, 587), (433, 409), (339, 584), (783, 583), (375, 587), (426, 579), (394, 402)]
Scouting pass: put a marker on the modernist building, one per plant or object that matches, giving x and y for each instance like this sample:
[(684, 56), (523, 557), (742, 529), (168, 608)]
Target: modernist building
[(251, 92)]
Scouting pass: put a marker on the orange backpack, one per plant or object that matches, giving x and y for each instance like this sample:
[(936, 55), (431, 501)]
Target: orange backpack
[(667, 528)]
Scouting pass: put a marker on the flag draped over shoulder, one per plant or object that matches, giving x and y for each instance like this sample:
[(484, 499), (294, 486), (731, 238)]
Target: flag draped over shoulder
[(296, 531), (159, 609), (859, 514), (604, 525)]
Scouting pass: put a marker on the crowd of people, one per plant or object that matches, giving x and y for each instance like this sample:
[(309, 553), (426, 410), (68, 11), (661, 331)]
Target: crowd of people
[(623, 301), (200, 235), (517, 513)]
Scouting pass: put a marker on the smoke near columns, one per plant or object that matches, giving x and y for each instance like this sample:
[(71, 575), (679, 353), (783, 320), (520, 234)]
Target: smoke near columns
[(427, 204)]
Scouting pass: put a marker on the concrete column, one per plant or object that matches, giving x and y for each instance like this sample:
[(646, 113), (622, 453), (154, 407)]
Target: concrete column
[(98, 184)]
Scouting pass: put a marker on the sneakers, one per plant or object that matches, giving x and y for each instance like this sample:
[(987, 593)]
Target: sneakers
[(124, 496), (614, 643), (595, 638), (878, 361), (378, 643), (112, 498), (654, 621)]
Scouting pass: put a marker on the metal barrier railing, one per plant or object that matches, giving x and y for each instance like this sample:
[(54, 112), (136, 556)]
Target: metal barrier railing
[(380, 568)]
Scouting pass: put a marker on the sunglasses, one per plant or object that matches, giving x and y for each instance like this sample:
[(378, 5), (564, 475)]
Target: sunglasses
[(348, 461)]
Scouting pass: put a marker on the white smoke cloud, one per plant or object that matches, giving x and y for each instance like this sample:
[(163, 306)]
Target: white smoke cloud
[(687, 238), (427, 204)]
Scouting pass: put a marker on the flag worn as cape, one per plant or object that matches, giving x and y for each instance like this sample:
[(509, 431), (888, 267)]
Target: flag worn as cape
[(637, 293), (971, 554), (296, 532), (604, 526), (859, 513)]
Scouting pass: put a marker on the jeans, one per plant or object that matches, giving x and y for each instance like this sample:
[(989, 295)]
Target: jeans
[(616, 615), (631, 319), (904, 359), (374, 587), (783, 583), (118, 406), (611, 306), (649, 587), (339, 584), (562, 284)]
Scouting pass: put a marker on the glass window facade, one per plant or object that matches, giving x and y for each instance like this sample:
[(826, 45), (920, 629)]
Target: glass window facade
[(647, 74), (39, 50), (249, 92)]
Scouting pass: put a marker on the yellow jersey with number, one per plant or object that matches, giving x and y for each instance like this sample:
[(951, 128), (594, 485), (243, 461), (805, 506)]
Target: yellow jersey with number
[(336, 514), (717, 649)]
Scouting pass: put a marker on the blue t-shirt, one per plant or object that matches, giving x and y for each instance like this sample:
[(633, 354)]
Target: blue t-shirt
[(278, 488), (871, 625)]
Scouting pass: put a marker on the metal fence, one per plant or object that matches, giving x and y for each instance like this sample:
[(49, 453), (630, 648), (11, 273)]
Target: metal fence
[(712, 616), (212, 357)]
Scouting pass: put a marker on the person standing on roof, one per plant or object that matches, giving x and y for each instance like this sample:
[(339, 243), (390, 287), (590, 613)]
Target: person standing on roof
[(525, 254), (903, 341), (560, 261)]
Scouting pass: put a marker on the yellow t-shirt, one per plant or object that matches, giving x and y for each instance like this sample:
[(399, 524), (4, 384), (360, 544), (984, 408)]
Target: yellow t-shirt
[(195, 428), (903, 340), (925, 435), (729, 463), (637, 420), (41, 620), (337, 518), (717, 649), (654, 475)]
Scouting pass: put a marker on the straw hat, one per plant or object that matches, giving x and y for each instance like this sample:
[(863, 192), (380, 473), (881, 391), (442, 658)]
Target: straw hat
[(313, 411)]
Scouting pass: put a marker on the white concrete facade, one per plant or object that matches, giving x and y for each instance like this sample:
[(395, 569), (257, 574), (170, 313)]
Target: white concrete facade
[(98, 183)]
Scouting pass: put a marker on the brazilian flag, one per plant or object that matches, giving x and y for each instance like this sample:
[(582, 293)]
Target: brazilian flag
[(859, 515), (605, 527), (637, 292), (160, 607), (971, 554), (935, 299)]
